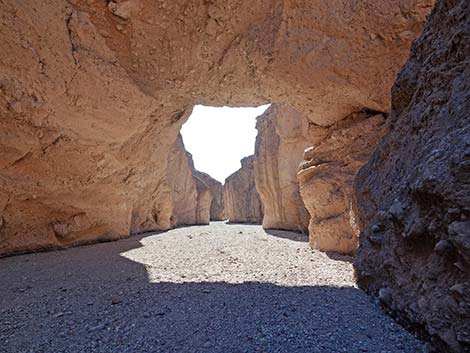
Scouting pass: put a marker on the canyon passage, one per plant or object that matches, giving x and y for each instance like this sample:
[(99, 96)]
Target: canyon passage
[(353, 206)]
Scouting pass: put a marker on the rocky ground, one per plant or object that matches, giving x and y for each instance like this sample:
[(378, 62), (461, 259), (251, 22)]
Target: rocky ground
[(218, 288)]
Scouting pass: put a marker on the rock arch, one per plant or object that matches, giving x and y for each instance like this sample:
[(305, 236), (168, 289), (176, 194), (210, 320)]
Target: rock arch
[(94, 93)]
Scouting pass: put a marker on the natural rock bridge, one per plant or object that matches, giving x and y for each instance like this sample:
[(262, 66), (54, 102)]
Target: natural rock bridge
[(365, 147)]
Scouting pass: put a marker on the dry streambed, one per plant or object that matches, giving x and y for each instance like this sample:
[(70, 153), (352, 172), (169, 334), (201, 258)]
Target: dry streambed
[(218, 288)]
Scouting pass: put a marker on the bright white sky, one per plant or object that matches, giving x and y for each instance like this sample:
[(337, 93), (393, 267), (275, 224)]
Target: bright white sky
[(219, 137)]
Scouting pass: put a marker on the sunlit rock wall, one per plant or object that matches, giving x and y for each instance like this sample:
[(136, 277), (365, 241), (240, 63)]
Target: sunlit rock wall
[(282, 138)]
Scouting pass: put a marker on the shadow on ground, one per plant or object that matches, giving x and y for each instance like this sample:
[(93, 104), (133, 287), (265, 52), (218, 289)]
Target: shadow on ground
[(291, 235), (93, 299)]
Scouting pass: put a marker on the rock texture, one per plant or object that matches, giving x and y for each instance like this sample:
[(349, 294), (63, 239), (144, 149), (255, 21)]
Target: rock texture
[(326, 177), (204, 201), (413, 197), (93, 94), (191, 196), (217, 192), (242, 201), (282, 138)]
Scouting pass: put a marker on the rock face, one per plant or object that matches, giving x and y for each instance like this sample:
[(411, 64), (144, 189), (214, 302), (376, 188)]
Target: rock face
[(282, 138), (413, 197), (326, 177), (191, 196), (242, 202), (93, 95), (204, 201), (217, 192)]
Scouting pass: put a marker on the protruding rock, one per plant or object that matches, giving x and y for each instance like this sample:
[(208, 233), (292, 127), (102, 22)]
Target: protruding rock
[(444, 247), (326, 180), (242, 202), (385, 296)]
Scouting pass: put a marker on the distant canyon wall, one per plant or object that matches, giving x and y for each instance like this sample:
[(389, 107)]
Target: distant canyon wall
[(217, 192), (242, 201), (197, 197)]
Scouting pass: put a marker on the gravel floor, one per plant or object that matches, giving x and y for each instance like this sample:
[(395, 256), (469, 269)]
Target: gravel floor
[(218, 288)]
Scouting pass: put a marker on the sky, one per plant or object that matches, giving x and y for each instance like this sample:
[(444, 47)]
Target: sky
[(219, 137)]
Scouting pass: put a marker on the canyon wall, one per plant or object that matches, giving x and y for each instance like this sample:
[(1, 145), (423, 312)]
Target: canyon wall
[(94, 93), (326, 177), (217, 193), (242, 201), (413, 197), (282, 138), (191, 196), (204, 202)]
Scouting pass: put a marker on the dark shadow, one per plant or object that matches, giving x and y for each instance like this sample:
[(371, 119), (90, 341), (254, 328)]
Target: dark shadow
[(242, 223), (288, 234), (340, 257), (93, 298)]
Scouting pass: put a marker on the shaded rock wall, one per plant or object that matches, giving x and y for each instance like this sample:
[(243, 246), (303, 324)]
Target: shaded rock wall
[(413, 197), (191, 196), (242, 202), (93, 94), (326, 177), (282, 138), (217, 192), (183, 185)]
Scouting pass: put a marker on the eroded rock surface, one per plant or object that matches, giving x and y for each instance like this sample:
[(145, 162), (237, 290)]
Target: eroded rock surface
[(413, 197), (282, 137), (217, 193), (326, 177), (242, 201), (93, 94), (191, 196)]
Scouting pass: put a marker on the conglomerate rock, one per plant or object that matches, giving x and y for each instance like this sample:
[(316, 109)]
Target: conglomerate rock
[(282, 138), (326, 177), (217, 193), (93, 94), (413, 197), (242, 201)]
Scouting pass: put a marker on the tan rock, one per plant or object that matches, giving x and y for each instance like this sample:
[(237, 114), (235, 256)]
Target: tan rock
[(191, 196), (183, 185), (217, 193), (242, 202), (92, 97), (326, 178), (204, 201), (283, 134)]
